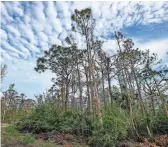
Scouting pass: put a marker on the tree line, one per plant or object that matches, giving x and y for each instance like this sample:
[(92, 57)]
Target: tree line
[(83, 76), (11, 100)]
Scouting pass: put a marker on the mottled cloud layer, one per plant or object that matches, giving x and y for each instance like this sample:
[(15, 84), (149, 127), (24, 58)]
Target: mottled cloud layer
[(29, 28)]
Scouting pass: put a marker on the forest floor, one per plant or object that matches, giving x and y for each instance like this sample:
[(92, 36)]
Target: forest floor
[(10, 137)]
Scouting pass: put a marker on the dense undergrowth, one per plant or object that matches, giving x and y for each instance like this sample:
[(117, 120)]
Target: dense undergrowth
[(115, 126), (48, 117)]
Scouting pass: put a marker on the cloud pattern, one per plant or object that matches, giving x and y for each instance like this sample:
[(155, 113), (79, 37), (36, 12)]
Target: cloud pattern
[(29, 28)]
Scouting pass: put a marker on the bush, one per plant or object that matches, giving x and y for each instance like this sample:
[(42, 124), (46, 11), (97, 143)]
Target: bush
[(115, 122), (48, 117), (28, 139), (11, 130), (160, 124)]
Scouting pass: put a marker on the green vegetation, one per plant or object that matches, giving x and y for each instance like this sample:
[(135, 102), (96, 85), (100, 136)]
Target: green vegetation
[(11, 130), (12, 137), (114, 129), (28, 139), (48, 117), (13, 117)]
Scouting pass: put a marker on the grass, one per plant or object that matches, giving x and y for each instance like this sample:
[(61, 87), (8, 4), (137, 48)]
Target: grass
[(10, 136), (28, 139), (11, 130)]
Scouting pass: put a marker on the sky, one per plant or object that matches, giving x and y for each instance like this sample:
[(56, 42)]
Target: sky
[(29, 28)]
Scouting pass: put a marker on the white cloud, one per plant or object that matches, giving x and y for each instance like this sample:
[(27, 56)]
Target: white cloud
[(52, 19), (159, 46), (80, 5), (9, 48), (5, 14), (17, 9), (96, 7), (57, 26), (5, 56), (13, 30), (43, 37), (51, 11), (27, 32), (55, 41), (38, 11), (110, 46), (33, 48), (64, 8), (3, 34), (63, 35), (26, 46)]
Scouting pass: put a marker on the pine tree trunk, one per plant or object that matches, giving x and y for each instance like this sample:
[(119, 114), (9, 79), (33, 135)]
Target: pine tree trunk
[(162, 98), (67, 93), (62, 92), (132, 117), (88, 92), (139, 92), (97, 100), (109, 87), (80, 87), (104, 99)]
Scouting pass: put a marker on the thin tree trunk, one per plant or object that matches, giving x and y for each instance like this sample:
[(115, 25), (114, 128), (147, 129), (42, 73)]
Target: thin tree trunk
[(153, 105), (109, 87), (4, 114), (144, 112), (139, 92), (80, 87), (67, 93), (132, 117), (62, 92), (96, 94), (104, 99), (162, 98), (89, 72), (151, 97), (102, 74), (88, 92), (73, 91)]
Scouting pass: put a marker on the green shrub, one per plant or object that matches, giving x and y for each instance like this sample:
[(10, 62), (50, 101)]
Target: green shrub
[(28, 139), (48, 117), (115, 122), (160, 123), (11, 130)]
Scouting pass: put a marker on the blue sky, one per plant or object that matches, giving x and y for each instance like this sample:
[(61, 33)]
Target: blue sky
[(29, 28)]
